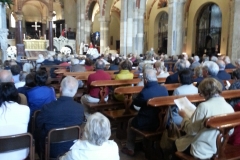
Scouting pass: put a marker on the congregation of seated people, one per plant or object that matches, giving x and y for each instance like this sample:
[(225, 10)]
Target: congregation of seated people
[(25, 90)]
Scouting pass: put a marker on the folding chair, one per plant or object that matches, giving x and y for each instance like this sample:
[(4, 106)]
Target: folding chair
[(60, 135), (17, 142), (32, 122)]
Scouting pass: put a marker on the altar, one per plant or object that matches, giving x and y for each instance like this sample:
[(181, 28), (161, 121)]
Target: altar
[(34, 44), (42, 45)]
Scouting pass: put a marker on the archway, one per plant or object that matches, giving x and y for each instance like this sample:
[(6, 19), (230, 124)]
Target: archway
[(208, 30), (163, 33)]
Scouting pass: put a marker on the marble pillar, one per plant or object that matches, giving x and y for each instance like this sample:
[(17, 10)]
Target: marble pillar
[(129, 27), (3, 33), (44, 26), (80, 37), (135, 30), (19, 29), (88, 30), (50, 34), (175, 26), (140, 45), (104, 34), (78, 31), (123, 28), (234, 47)]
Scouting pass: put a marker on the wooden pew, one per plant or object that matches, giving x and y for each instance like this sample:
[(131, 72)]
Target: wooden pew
[(121, 116), (87, 73), (103, 85), (229, 70), (224, 123), (161, 80), (163, 103)]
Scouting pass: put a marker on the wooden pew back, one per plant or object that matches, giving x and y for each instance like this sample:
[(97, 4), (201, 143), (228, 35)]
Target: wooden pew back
[(103, 84), (224, 123)]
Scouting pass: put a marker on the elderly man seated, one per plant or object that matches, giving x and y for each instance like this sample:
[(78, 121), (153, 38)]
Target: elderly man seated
[(211, 69), (195, 63), (180, 65), (63, 112), (92, 95), (222, 74), (147, 118), (229, 65)]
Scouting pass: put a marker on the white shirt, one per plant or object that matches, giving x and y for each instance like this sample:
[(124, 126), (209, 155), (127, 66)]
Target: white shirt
[(82, 149), (186, 90), (14, 119)]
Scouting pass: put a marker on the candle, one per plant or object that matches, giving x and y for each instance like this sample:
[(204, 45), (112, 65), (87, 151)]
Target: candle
[(60, 28), (45, 36), (24, 36), (39, 33)]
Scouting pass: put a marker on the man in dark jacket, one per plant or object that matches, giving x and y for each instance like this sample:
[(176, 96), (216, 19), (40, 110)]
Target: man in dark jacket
[(180, 65), (147, 118), (63, 112)]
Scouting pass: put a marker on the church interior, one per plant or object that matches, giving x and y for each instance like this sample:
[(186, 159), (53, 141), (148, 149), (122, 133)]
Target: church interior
[(57, 35)]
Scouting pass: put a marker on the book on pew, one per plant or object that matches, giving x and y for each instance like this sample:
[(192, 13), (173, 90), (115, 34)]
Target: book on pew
[(228, 84), (184, 104)]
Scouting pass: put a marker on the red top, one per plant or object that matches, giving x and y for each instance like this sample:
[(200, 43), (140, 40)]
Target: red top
[(64, 64), (235, 137), (99, 75)]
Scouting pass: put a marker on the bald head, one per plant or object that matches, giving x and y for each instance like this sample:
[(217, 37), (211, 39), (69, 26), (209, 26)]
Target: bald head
[(6, 76), (69, 86), (221, 64)]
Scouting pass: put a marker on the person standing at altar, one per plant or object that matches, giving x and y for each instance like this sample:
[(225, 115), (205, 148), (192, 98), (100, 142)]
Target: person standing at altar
[(63, 33), (91, 45)]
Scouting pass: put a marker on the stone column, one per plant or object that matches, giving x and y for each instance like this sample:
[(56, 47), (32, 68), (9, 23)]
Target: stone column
[(123, 28), (234, 47), (175, 26), (135, 30), (19, 32), (50, 34), (3, 32), (129, 26), (80, 21), (140, 44), (104, 33), (44, 26), (88, 29)]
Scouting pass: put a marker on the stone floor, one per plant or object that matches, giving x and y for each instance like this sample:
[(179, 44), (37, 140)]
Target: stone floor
[(139, 155)]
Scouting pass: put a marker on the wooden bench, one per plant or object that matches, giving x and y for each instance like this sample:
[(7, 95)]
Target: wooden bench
[(224, 123), (229, 70), (103, 85), (163, 103), (121, 116)]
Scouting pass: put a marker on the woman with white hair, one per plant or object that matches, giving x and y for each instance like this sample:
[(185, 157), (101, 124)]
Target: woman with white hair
[(95, 143)]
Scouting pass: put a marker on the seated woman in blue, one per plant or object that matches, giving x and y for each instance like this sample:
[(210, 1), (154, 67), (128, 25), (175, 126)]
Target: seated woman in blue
[(41, 94)]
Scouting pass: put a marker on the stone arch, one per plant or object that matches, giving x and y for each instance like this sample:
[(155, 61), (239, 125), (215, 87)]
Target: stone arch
[(54, 47), (195, 8), (208, 41), (89, 9), (156, 23), (150, 9), (49, 4), (106, 8), (70, 48)]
